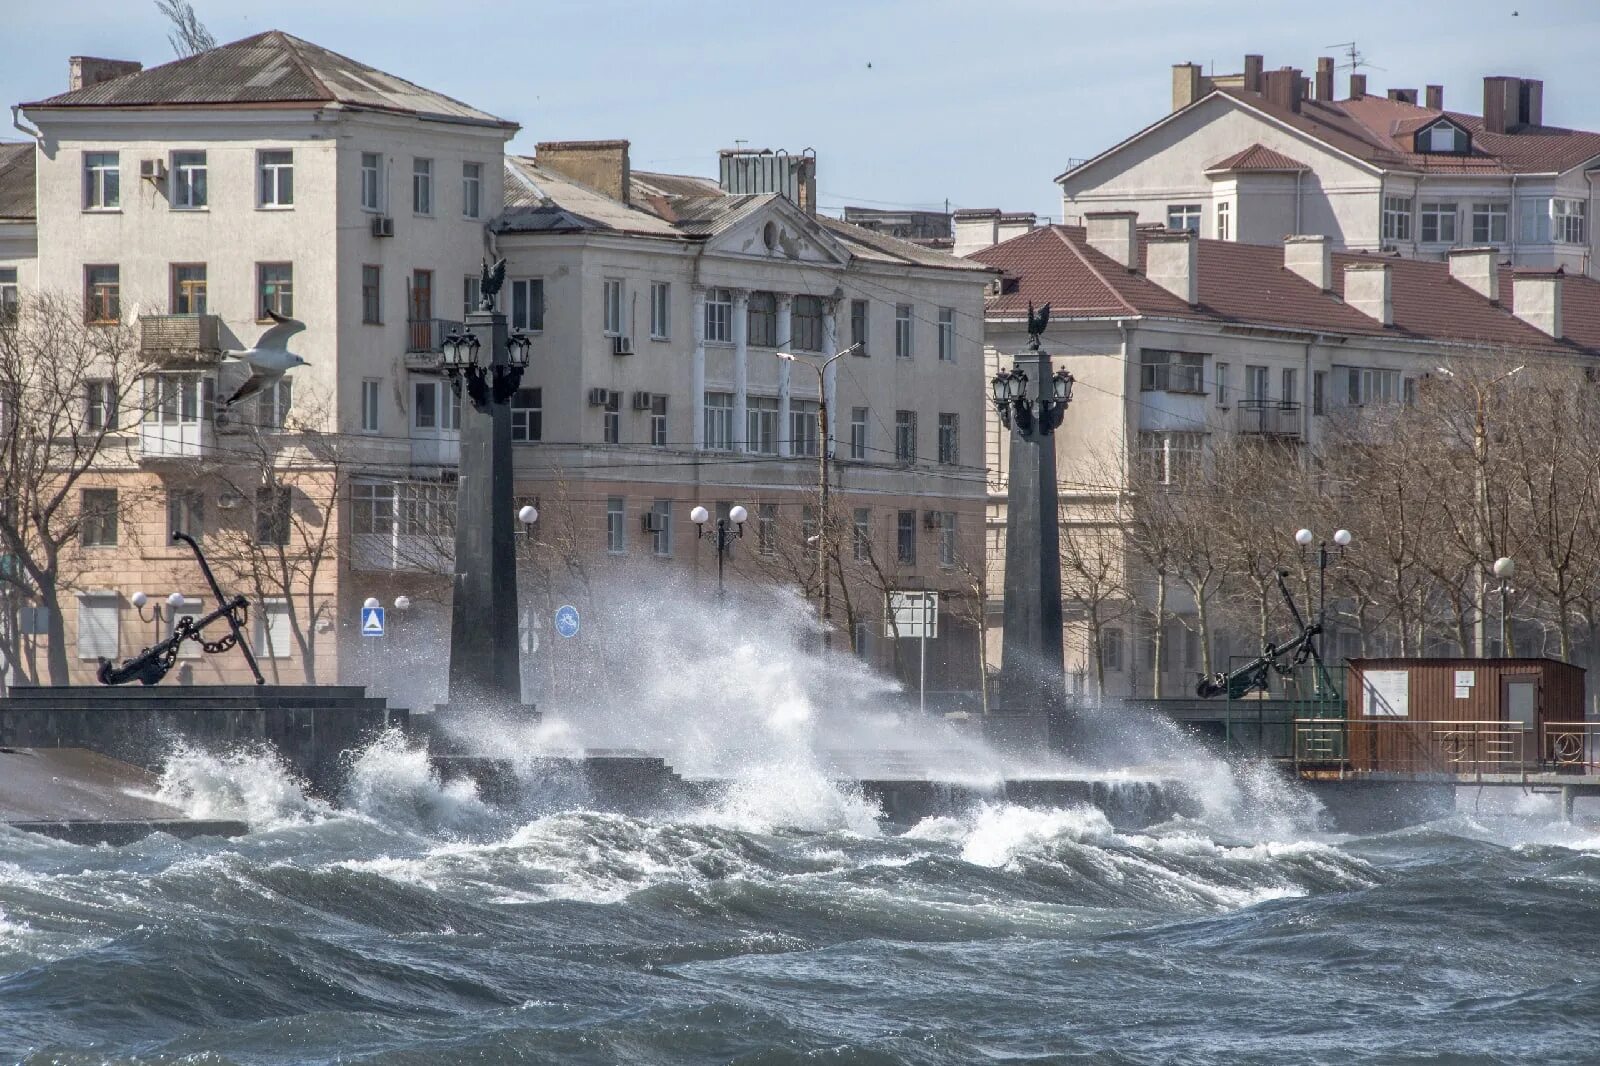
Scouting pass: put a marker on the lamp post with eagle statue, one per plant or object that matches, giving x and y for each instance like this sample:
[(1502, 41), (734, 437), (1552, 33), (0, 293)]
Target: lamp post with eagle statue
[(485, 363), (1029, 709)]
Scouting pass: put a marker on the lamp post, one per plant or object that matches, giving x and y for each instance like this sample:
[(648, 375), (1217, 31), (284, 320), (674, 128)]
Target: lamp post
[(722, 534), (825, 450), (1505, 569), (486, 362), (174, 605), (1341, 541), (1030, 696)]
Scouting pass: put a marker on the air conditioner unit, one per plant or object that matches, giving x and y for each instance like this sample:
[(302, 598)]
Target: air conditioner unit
[(599, 397), (382, 226), (653, 523), (621, 346), (228, 500), (931, 520), (642, 401), (153, 169)]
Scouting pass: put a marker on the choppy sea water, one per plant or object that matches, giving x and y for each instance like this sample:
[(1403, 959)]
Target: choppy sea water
[(781, 924)]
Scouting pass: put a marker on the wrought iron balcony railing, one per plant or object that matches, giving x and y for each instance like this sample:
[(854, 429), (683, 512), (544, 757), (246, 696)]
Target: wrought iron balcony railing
[(428, 334), (1270, 418)]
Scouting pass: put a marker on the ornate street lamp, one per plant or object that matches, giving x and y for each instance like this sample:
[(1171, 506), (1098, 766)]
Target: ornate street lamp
[(174, 603), (722, 534), (1505, 568)]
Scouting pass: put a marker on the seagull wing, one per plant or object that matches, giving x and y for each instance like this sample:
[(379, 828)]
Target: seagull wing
[(277, 336), (258, 380)]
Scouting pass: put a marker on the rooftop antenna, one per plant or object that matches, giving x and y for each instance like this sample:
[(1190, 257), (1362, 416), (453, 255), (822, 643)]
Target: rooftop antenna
[(1354, 59), (739, 143)]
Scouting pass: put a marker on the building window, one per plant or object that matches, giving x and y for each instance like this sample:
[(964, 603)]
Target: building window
[(661, 526), (1397, 218), (275, 286), (272, 514), (858, 432), (1319, 392), (174, 399), (719, 315), (861, 534), (1364, 386), (660, 309), (1165, 371), (1438, 223), (762, 319), (372, 295), (658, 421), (949, 438), (97, 520), (616, 533), (719, 421), (902, 331), (1111, 650), (947, 539), (100, 404), (767, 529), (421, 310), (422, 186), (1222, 384), (527, 304), (1256, 385), (274, 633), (611, 307), (861, 638), (1567, 219), (905, 538), (425, 405), (803, 431), (1224, 221), (1490, 222), (369, 405), (762, 425), (188, 288), (102, 294), (471, 189), (527, 415), (102, 184), (1183, 217), (905, 437), (372, 508), (808, 525), (185, 513), (372, 181), (276, 187), (98, 618), (805, 324), (273, 403), (471, 294), (10, 295), (188, 180), (1291, 385), (1170, 458), (858, 326), (947, 334), (611, 418)]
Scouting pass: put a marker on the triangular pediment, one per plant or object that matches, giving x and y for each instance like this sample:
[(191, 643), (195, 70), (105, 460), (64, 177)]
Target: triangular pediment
[(772, 228)]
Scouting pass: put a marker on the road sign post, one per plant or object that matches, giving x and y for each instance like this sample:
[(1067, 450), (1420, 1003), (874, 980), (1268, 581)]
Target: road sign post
[(915, 614), (372, 621), (567, 620)]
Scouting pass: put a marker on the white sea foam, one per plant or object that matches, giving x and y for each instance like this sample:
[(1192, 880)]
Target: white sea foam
[(394, 782), (250, 783)]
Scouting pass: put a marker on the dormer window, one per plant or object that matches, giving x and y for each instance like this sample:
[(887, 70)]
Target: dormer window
[(1443, 137)]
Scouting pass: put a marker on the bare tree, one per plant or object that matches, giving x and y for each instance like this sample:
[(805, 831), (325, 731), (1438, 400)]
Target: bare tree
[(189, 35)]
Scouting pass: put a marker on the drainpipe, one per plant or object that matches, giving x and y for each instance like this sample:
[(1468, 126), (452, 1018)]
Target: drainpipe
[(1298, 223), (16, 121), (1513, 221), (1588, 221)]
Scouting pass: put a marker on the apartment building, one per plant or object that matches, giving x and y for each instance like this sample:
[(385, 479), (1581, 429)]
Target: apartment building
[(1179, 341), (1257, 155), (270, 173)]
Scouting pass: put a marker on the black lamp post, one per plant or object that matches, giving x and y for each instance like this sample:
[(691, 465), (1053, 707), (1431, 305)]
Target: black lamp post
[(1029, 709), (1341, 541), (174, 605), (722, 534), (487, 362)]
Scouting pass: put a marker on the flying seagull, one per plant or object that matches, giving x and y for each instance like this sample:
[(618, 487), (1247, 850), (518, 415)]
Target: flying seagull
[(269, 358)]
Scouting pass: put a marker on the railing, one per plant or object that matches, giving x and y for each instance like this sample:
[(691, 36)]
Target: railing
[(428, 334), (193, 336), (1404, 746), (1270, 418), (1572, 747)]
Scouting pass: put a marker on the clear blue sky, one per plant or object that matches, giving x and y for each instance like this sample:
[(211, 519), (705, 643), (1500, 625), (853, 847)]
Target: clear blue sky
[(979, 102)]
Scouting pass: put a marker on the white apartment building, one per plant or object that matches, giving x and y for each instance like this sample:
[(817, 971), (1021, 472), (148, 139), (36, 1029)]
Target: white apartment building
[(1177, 340), (1262, 154), (272, 173)]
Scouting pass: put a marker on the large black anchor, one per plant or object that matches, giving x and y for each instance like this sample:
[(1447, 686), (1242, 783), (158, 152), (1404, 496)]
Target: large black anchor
[(152, 664)]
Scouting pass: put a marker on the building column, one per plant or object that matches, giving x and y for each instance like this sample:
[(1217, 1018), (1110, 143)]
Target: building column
[(785, 343), (697, 373), (741, 370), (830, 376)]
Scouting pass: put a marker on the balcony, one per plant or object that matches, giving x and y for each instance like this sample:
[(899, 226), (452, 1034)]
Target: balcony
[(428, 334), (1270, 418), (162, 442), (181, 338)]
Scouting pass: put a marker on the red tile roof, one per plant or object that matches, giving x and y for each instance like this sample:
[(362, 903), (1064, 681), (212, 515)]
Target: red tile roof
[(1247, 284), (1256, 157)]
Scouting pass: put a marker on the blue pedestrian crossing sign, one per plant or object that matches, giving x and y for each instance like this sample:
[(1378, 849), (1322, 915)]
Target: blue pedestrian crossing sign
[(372, 621), (567, 620)]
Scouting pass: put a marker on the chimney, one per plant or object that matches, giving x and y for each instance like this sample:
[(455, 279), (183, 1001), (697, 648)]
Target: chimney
[(975, 230), (1478, 269), (1311, 256), (1536, 299), (1366, 289), (1114, 234), (1283, 87), (1185, 85), (1015, 224), (1530, 109), (1252, 73), (1404, 96), (601, 165), (1172, 260), (84, 71), (1325, 78), (1502, 98), (1435, 97), (1358, 86)]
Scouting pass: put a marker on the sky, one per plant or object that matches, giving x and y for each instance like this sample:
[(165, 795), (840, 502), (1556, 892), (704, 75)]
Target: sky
[(907, 103)]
